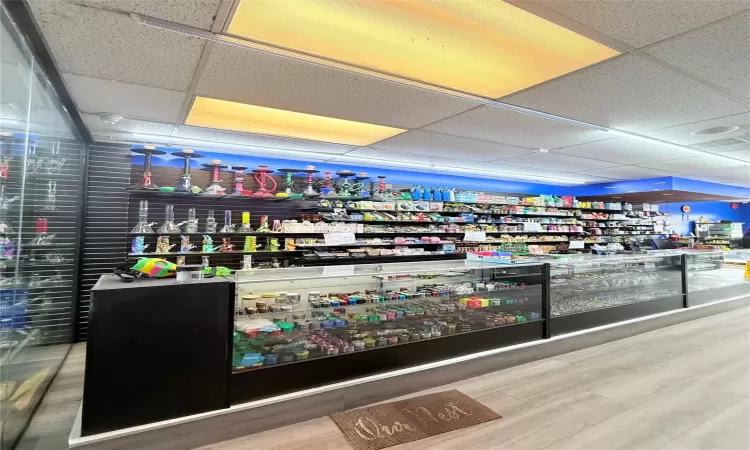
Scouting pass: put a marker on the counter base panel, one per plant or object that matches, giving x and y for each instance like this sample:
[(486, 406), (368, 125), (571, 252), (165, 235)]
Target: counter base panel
[(217, 426), (711, 295), (268, 382), (598, 317)]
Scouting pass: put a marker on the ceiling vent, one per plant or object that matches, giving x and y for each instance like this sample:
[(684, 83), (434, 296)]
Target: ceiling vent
[(726, 144), (714, 130)]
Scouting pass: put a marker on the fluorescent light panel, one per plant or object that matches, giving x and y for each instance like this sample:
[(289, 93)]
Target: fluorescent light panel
[(226, 115), (488, 48)]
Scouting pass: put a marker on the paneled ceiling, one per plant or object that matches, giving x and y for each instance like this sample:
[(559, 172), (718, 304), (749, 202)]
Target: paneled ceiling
[(682, 67)]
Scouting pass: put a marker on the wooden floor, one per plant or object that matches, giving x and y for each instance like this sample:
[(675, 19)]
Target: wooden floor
[(685, 387), (50, 427)]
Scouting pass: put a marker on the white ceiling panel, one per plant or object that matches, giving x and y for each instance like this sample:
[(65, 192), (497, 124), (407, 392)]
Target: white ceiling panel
[(627, 93), (642, 22), (625, 151), (257, 140), (697, 164), (94, 95), (555, 161), (718, 53), (512, 128), (739, 177), (742, 154), (195, 13), (628, 172), (450, 166), (681, 133), (436, 144), (109, 45), (247, 76), (130, 126)]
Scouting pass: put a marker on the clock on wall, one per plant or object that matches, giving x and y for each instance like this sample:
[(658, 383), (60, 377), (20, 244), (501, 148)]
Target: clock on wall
[(734, 205), (685, 209)]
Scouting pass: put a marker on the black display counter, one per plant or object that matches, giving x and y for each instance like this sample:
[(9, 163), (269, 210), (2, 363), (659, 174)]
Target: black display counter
[(159, 350)]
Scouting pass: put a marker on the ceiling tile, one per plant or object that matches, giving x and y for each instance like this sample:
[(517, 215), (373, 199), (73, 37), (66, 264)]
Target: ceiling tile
[(511, 128), (642, 22), (195, 13), (628, 172), (625, 151), (451, 166), (555, 161), (248, 76), (742, 154), (94, 95), (257, 140), (109, 45), (718, 53), (739, 177), (627, 93), (697, 164), (680, 134), (97, 127), (435, 144), (427, 160)]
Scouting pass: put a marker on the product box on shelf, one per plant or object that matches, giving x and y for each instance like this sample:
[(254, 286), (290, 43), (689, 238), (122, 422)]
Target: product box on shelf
[(499, 258)]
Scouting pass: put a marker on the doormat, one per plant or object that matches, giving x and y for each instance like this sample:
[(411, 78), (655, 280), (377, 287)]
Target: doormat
[(409, 420)]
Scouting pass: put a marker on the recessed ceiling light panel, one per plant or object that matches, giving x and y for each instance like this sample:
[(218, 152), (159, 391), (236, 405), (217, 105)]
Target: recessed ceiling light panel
[(488, 48), (224, 115)]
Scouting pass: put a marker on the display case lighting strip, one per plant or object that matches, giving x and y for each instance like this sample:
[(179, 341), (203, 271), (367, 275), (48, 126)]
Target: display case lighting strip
[(299, 56)]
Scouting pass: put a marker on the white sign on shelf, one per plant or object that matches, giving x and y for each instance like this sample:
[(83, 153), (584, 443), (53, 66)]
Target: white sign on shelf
[(575, 245), (475, 236), (532, 227), (338, 271), (339, 238)]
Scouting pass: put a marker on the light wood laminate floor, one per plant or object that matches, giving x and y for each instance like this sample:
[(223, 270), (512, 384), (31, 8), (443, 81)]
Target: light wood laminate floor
[(51, 424), (685, 387)]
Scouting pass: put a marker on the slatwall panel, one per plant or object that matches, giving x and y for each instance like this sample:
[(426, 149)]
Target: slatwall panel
[(105, 225)]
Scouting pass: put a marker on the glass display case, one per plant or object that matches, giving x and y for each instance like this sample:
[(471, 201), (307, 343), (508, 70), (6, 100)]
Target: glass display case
[(599, 285), (292, 315), (40, 190), (716, 275)]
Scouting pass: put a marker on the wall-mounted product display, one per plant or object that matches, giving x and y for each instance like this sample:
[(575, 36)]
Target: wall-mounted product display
[(723, 234)]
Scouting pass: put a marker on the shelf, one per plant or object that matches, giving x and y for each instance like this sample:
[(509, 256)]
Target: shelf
[(213, 253), (203, 195), (381, 259)]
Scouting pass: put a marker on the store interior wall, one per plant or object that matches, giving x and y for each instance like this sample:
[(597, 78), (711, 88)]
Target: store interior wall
[(713, 211)]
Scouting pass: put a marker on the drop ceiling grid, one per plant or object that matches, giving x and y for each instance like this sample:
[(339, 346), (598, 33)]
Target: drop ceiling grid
[(639, 23), (435, 144), (109, 45), (628, 93), (680, 134), (257, 78), (718, 53), (134, 101)]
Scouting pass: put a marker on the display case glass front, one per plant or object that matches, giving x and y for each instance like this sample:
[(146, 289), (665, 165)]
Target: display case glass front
[(587, 283), (715, 275), (292, 315)]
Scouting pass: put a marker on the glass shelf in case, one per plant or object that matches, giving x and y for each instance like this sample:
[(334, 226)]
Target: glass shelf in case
[(296, 314), (596, 282), (712, 275)]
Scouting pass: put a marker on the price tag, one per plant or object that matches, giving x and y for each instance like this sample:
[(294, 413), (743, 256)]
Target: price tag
[(475, 236), (534, 227), (338, 271), (575, 245), (339, 238)]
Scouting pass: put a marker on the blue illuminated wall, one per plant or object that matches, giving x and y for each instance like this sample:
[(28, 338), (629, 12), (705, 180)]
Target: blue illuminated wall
[(393, 176), (710, 210)]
